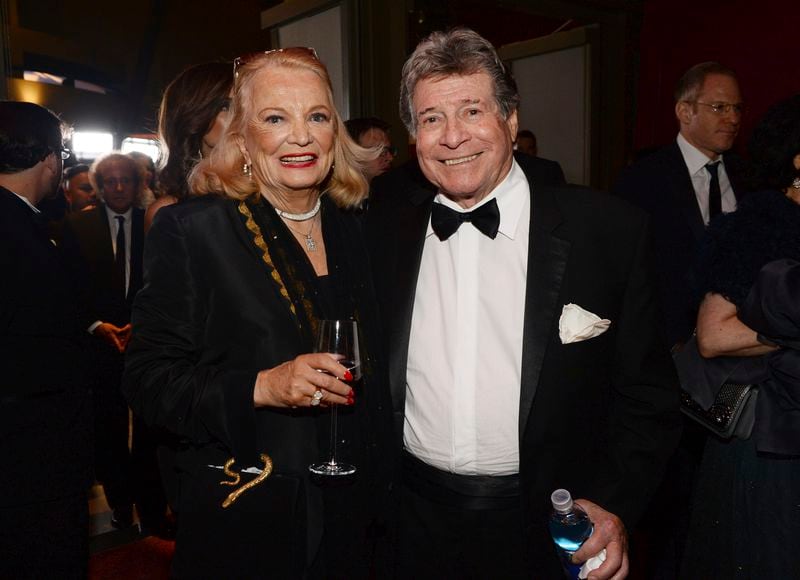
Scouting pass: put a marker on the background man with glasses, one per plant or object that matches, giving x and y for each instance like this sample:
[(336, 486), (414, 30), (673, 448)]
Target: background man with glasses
[(45, 408), (683, 186)]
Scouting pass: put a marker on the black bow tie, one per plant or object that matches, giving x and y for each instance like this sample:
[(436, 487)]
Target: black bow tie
[(446, 221)]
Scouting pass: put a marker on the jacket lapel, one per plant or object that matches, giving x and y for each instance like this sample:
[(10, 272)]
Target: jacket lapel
[(684, 192), (547, 261), (100, 243), (412, 223)]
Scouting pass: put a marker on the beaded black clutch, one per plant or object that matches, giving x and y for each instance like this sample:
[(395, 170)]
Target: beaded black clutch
[(731, 415)]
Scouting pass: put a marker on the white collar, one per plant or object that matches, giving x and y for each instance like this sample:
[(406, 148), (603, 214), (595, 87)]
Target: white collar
[(112, 214), (694, 158), (27, 201), (510, 195)]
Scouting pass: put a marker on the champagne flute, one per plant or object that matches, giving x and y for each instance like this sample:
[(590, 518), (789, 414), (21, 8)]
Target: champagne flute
[(339, 338)]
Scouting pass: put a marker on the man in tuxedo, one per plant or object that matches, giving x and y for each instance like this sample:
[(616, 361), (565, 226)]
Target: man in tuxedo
[(109, 242), (685, 184), (506, 380), (45, 406)]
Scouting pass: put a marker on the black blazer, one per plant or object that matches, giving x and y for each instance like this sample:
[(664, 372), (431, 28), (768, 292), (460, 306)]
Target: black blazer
[(598, 417), (661, 185), (209, 318), (45, 410), (86, 237)]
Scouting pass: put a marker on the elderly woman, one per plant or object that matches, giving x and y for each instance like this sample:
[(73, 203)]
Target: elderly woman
[(745, 516), (236, 280), (191, 119)]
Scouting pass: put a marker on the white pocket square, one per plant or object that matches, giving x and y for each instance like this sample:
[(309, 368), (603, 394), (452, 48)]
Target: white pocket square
[(577, 324)]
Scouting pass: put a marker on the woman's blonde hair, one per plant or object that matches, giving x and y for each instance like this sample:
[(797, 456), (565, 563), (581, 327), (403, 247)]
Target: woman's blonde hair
[(222, 171)]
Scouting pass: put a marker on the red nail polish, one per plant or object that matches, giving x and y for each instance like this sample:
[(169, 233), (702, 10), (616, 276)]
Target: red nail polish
[(348, 376), (350, 401)]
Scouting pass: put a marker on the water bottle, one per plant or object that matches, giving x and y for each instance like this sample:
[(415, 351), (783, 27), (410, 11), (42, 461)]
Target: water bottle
[(569, 526)]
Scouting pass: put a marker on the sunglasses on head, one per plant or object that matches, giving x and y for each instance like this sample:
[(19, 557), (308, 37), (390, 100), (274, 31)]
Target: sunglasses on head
[(240, 61)]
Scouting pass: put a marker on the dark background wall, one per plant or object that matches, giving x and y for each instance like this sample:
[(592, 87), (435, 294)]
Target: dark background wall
[(643, 47)]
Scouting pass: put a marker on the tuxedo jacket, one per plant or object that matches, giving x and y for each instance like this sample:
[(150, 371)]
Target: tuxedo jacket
[(550, 171), (86, 238), (661, 185), (598, 417), (45, 411)]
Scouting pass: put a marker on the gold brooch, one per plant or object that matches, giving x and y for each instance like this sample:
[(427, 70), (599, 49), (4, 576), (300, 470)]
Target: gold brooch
[(236, 478)]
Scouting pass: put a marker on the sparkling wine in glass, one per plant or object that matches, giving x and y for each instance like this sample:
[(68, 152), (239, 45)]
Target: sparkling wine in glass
[(339, 338)]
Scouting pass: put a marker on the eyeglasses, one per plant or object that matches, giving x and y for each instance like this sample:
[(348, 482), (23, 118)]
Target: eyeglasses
[(723, 108), (64, 152), (389, 150), (240, 61)]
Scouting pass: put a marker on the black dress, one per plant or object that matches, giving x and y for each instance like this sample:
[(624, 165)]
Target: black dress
[(229, 292), (745, 519)]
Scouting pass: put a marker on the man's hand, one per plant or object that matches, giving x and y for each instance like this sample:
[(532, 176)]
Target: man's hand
[(114, 335), (609, 533)]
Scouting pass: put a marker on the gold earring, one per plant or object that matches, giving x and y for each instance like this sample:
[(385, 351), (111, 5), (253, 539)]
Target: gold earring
[(247, 170)]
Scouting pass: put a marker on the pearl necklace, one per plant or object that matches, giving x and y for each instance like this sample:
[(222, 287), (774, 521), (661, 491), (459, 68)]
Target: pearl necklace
[(301, 217)]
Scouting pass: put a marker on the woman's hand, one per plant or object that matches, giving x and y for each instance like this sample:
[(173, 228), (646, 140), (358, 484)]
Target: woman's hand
[(721, 333), (293, 383)]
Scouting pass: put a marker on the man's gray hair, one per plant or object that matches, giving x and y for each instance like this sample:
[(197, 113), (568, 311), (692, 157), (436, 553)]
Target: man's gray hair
[(460, 51)]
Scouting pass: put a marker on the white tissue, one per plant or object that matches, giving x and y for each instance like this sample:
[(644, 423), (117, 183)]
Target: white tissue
[(592, 564)]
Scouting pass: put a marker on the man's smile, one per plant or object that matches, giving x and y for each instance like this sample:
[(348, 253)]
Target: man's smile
[(460, 160)]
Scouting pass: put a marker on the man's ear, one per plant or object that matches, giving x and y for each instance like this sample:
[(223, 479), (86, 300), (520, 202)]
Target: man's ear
[(796, 161), (513, 124), (53, 165), (684, 112)]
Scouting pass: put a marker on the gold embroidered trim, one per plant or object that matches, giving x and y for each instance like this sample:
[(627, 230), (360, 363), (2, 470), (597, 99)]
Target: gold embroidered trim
[(258, 239), (236, 493)]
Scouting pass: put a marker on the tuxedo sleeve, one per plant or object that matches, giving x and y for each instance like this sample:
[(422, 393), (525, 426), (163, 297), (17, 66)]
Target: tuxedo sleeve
[(644, 423), (170, 381)]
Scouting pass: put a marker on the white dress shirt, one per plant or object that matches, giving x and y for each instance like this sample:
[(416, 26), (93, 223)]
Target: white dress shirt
[(701, 179), (465, 352)]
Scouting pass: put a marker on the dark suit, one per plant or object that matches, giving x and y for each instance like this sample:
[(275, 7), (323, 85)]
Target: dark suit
[(45, 409), (661, 185), (597, 417), (90, 233), (87, 237)]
